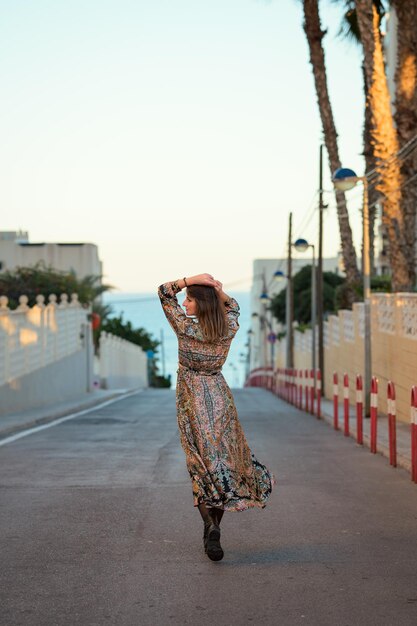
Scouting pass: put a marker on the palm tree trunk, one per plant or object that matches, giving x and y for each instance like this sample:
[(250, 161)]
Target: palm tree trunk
[(370, 165), (315, 34), (385, 142), (406, 116)]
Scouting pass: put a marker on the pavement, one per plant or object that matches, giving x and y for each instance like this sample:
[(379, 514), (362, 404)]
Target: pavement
[(403, 432), (13, 423), (20, 421), (97, 526)]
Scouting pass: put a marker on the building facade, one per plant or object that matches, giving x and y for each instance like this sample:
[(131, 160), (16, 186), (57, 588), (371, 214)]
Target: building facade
[(17, 251), (261, 345)]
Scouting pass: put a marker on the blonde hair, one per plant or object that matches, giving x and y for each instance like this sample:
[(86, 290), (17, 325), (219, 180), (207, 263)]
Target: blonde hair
[(210, 312)]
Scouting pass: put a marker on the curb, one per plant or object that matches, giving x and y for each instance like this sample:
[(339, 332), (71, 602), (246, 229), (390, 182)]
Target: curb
[(40, 421)]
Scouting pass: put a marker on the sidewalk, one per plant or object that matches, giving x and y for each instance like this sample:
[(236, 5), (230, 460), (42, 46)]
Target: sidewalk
[(382, 446), (16, 422)]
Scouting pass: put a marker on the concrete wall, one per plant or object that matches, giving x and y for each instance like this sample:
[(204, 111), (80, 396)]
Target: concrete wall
[(393, 343), (121, 364), (54, 383)]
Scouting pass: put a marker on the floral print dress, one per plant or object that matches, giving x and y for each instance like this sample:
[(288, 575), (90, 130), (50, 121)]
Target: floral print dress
[(223, 471)]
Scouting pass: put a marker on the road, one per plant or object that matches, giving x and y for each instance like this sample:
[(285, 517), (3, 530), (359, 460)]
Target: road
[(97, 526)]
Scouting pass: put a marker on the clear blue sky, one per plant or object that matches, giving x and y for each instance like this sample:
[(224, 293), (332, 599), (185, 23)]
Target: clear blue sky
[(175, 134)]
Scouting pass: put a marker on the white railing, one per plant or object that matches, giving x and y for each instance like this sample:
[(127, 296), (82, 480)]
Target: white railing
[(32, 337), (121, 363)]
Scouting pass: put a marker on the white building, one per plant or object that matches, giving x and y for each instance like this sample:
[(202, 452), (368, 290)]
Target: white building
[(17, 251), (261, 351)]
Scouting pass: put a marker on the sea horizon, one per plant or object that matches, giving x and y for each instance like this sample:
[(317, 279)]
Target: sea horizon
[(143, 310)]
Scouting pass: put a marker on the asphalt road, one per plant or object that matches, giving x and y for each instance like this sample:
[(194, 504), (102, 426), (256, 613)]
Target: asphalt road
[(97, 526)]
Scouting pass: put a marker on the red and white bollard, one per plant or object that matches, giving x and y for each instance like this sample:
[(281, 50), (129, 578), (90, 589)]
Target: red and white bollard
[(335, 401), (300, 389), (294, 384), (291, 386), (312, 391), (374, 412), (318, 391), (359, 409), (346, 404), (414, 433), (392, 426), (306, 387), (294, 387)]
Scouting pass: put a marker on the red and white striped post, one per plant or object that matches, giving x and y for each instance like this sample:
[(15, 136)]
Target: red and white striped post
[(374, 412), (359, 409), (307, 384), (335, 401), (414, 433), (312, 391), (392, 425), (346, 404), (287, 384), (294, 380), (300, 389), (285, 374), (291, 386), (294, 387), (318, 390)]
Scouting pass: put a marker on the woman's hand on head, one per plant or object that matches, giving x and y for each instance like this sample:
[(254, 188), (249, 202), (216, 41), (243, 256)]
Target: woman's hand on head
[(204, 279)]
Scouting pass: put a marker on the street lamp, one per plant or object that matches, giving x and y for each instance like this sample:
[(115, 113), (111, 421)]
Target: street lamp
[(278, 275), (301, 245), (345, 179)]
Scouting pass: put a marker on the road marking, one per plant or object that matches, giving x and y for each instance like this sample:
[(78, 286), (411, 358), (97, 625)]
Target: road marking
[(60, 420)]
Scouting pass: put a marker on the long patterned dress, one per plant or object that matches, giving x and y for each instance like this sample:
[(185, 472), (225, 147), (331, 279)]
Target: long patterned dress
[(223, 471)]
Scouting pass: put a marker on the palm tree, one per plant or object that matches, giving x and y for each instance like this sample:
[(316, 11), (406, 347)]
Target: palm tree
[(315, 34), (349, 29), (406, 116), (385, 144)]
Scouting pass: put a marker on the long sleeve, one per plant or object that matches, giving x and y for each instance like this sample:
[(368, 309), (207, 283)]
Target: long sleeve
[(232, 314), (173, 312)]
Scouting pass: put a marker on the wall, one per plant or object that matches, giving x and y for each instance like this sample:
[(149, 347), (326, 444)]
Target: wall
[(82, 258), (121, 364), (54, 383), (45, 353), (393, 348)]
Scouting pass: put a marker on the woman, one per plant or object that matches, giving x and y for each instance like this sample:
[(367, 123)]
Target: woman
[(225, 475)]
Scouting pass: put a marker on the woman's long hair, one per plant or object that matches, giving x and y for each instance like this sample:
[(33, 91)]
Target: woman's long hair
[(210, 311)]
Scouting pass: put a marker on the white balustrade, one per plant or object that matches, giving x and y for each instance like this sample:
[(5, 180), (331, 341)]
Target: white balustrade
[(31, 337)]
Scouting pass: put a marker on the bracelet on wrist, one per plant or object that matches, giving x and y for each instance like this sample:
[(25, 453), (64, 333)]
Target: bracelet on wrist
[(185, 282)]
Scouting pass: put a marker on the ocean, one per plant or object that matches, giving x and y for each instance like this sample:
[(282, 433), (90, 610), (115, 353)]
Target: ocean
[(144, 310)]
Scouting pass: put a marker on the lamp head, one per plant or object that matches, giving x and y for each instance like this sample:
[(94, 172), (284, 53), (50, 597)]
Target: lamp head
[(278, 275), (344, 179), (301, 245), (264, 297)]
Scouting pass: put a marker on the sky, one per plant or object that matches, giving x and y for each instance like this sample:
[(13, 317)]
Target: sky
[(177, 135)]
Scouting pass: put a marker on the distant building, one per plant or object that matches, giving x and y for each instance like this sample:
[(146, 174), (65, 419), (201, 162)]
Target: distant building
[(17, 251), (263, 324)]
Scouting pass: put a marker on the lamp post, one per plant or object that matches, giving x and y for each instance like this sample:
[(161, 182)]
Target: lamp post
[(301, 245), (264, 323), (345, 179)]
